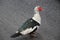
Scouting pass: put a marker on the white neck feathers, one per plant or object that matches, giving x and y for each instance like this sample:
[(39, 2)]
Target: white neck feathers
[(37, 17)]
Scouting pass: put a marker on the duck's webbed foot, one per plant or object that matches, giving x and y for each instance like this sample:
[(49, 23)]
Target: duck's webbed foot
[(33, 35)]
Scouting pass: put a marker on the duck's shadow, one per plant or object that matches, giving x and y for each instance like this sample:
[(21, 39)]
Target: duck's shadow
[(38, 37)]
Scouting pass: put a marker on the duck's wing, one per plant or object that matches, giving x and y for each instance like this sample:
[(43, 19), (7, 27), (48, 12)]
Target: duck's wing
[(30, 23)]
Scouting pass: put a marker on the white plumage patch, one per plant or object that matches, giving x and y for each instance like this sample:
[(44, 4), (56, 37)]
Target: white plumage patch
[(37, 18), (28, 30), (17, 31)]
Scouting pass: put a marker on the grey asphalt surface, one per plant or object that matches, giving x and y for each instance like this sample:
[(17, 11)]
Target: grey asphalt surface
[(13, 13)]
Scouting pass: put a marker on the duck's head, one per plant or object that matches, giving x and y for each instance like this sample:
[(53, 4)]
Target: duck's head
[(38, 8)]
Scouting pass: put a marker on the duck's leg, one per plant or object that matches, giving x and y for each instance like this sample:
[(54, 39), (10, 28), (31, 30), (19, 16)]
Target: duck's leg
[(33, 33)]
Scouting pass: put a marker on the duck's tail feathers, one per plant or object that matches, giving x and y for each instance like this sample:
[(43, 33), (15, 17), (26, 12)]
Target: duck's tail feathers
[(15, 35)]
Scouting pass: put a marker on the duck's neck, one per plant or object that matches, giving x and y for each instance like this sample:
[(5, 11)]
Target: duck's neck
[(36, 17), (36, 12)]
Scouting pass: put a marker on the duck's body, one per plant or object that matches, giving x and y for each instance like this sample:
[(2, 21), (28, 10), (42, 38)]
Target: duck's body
[(30, 25)]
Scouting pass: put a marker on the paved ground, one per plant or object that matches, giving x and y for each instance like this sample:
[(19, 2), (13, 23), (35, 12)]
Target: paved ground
[(14, 12)]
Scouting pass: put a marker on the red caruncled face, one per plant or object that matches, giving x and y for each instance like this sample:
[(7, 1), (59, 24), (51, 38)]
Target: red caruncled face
[(39, 8)]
